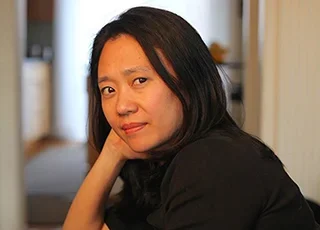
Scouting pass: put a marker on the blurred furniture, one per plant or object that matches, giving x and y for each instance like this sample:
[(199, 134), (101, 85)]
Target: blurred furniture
[(36, 100), (40, 10)]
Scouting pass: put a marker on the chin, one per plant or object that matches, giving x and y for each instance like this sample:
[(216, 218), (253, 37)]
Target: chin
[(141, 147)]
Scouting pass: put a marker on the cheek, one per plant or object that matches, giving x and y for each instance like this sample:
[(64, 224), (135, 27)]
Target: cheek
[(178, 112), (106, 108), (171, 108), (175, 107)]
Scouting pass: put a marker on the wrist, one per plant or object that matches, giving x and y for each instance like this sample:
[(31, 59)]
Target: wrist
[(112, 154)]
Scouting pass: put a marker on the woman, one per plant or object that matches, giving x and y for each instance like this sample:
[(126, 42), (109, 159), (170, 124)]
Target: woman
[(160, 122)]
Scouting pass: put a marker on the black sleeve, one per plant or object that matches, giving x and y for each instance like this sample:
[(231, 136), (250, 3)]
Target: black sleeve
[(213, 189), (220, 185), (115, 222)]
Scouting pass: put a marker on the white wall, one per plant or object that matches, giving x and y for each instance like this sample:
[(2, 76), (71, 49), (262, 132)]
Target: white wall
[(77, 24), (215, 20), (12, 207), (290, 88), (70, 101)]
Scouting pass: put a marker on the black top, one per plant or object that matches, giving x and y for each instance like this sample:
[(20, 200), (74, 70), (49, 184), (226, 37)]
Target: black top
[(226, 184)]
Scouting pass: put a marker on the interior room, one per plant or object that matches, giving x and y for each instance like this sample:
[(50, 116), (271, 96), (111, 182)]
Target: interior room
[(251, 41), (57, 151)]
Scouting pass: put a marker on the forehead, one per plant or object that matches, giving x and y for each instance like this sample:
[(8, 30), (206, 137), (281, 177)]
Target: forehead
[(122, 52), (125, 52)]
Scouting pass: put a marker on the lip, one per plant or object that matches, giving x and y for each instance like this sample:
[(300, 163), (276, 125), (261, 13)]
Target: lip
[(133, 127)]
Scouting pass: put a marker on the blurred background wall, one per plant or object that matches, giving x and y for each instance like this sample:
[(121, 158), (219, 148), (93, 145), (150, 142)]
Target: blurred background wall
[(12, 209), (290, 104)]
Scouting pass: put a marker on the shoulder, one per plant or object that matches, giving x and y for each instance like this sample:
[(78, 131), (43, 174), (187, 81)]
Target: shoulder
[(217, 177), (213, 178), (220, 162), (218, 152)]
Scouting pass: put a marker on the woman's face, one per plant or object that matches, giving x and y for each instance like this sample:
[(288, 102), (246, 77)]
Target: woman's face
[(136, 102)]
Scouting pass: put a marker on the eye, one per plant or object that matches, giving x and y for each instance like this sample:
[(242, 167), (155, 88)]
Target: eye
[(107, 90), (139, 80)]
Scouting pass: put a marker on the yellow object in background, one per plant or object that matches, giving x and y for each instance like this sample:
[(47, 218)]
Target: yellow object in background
[(218, 52)]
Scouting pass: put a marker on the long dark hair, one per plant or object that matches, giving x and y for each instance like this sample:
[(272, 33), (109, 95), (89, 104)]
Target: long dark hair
[(197, 84)]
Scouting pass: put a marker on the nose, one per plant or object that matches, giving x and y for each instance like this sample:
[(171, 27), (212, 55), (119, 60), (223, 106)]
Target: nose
[(126, 104)]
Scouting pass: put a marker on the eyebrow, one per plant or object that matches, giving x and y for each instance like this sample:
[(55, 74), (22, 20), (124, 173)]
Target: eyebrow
[(136, 69), (126, 72)]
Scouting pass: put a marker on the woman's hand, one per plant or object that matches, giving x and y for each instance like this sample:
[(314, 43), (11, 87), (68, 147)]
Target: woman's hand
[(116, 145), (86, 211)]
